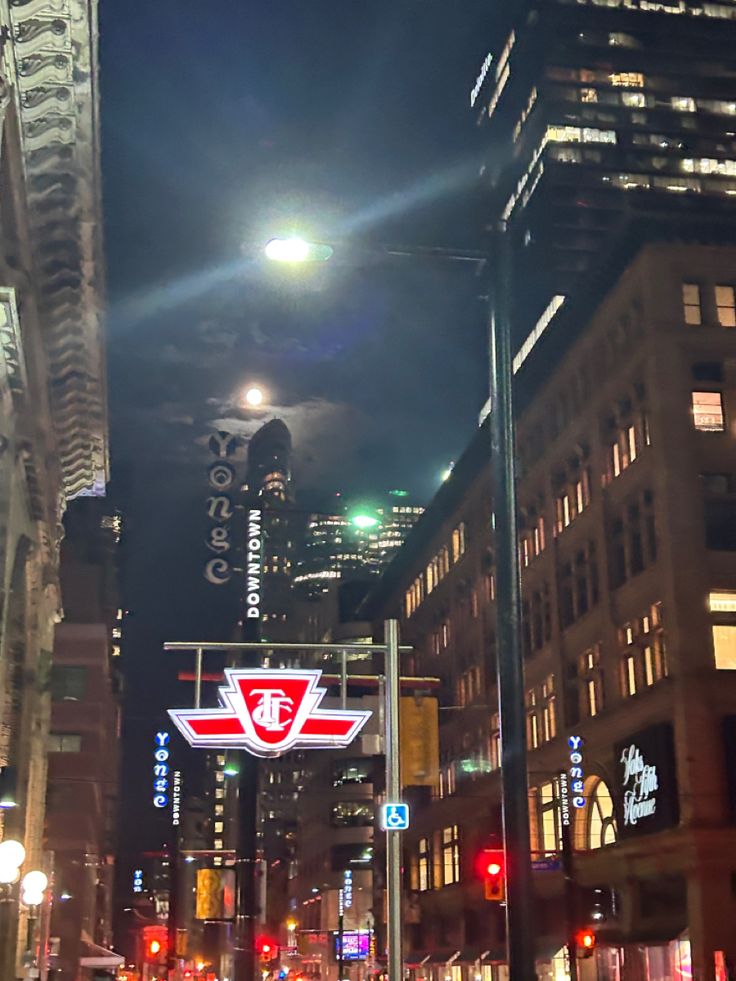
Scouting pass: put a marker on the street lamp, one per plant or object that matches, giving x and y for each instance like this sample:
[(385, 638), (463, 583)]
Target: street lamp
[(511, 695), (295, 250)]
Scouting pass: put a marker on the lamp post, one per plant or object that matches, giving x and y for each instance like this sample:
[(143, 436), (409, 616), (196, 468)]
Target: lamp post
[(510, 673)]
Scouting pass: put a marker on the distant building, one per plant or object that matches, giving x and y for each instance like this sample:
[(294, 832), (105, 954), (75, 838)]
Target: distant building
[(268, 481), (84, 739), (598, 111)]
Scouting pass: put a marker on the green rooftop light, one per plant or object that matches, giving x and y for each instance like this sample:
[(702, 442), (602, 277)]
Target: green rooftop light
[(364, 521), (231, 769), (399, 493)]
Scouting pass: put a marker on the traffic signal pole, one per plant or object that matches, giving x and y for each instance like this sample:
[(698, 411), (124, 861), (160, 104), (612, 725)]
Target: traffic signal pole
[(520, 935), (393, 795)]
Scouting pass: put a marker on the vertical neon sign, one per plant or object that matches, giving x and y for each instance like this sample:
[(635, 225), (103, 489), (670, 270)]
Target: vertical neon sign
[(161, 770)]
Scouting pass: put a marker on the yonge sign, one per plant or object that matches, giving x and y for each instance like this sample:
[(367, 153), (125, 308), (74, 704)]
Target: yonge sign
[(268, 713)]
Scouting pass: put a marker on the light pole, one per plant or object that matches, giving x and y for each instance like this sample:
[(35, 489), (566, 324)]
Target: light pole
[(510, 672)]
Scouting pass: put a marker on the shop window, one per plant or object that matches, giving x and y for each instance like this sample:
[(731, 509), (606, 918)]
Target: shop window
[(707, 409), (726, 306)]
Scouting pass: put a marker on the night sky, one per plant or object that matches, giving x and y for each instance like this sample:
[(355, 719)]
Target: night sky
[(225, 123)]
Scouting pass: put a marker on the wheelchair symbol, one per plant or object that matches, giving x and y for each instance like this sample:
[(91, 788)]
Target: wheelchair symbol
[(395, 817)]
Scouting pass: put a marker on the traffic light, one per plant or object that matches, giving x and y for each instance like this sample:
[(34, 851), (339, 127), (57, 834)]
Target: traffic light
[(585, 942), (491, 867), (154, 947), (267, 949)]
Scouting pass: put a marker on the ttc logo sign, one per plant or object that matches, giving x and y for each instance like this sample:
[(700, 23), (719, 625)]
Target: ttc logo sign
[(394, 817), (268, 713)]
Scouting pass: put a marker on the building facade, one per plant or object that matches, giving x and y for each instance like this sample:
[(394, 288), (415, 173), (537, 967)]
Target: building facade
[(53, 438), (625, 442), (84, 740), (598, 109)]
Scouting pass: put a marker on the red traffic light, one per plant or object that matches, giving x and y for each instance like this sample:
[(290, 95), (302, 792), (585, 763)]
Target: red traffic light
[(491, 868), (585, 941)]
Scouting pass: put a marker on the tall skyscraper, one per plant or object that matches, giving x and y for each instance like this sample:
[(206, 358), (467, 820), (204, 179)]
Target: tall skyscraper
[(600, 112), (269, 486)]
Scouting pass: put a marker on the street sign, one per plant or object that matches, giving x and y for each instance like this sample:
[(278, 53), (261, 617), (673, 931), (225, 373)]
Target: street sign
[(269, 712), (394, 817), (546, 864)]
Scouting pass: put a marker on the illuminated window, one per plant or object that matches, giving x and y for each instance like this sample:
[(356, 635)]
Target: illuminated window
[(495, 743), (219, 793), (601, 819), (219, 776), (726, 306), (707, 409), (634, 99), (219, 809), (458, 542), (424, 865), (218, 843), (116, 650), (631, 80), (352, 814), (724, 646), (549, 831), (588, 95), (450, 855), (683, 103), (219, 827), (591, 674)]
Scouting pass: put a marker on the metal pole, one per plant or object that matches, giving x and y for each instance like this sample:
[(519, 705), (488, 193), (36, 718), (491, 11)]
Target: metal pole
[(198, 679), (343, 679), (340, 932), (520, 936), (567, 868), (393, 795)]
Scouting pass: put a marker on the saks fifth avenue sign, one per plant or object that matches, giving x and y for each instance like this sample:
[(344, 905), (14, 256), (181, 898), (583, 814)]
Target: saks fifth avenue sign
[(646, 792), (268, 713), (640, 786)]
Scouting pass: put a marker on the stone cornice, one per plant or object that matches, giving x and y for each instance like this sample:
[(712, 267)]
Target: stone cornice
[(51, 62)]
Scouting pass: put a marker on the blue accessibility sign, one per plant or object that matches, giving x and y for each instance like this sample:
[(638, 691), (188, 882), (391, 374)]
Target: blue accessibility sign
[(394, 817)]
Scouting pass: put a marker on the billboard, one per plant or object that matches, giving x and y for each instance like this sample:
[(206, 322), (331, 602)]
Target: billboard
[(356, 945), (215, 897)]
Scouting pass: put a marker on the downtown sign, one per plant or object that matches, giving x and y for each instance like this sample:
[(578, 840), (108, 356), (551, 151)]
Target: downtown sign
[(269, 712)]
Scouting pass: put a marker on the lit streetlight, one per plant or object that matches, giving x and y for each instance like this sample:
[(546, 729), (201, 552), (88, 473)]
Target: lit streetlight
[(295, 250)]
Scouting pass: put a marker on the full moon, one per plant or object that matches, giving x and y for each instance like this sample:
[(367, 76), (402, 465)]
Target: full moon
[(254, 396)]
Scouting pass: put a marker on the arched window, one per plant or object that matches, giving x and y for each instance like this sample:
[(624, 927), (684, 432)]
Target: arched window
[(598, 817)]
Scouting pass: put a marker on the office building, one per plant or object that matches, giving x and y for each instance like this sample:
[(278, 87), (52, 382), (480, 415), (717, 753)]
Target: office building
[(627, 548), (597, 111), (269, 487)]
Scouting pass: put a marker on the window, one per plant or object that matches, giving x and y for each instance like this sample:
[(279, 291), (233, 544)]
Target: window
[(424, 865), (683, 103), (601, 820), (458, 542), (351, 772), (68, 682), (726, 306), (541, 718), (351, 855), (450, 855), (352, 814), (219, 826), (591, 675), (724, 646), (634, 99), (644, 662), (64, 742), (549, 831), (707, 408)]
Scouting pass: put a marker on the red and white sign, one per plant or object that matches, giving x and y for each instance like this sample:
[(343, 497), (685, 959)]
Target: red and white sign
[(268, 713)]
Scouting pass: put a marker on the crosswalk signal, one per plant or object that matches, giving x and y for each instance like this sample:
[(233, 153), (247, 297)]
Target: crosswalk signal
[(492, 869), (585, 941)]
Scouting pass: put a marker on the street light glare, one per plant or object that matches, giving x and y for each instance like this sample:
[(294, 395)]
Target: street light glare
[(364, 521), (287, 250)]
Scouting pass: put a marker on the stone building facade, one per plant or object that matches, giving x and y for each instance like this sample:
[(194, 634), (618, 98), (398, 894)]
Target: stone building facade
[(627, 475), (53, 426)]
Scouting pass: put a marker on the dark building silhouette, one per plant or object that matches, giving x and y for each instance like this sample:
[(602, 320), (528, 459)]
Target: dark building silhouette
[(269, 486)]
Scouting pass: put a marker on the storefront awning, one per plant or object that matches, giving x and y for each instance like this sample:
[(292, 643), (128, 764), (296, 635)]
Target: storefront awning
[(420, 958), (96, 956)]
